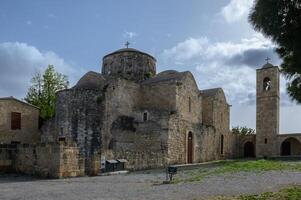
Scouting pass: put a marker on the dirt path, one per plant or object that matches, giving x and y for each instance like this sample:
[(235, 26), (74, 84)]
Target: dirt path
[(142, 185)]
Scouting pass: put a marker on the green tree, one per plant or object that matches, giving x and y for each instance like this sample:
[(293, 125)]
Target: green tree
[(42, 91), (280, 20), (242, 130)]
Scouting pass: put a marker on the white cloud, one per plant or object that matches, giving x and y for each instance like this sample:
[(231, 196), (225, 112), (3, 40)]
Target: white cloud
[(19, 61), (228, 49), (230, 65), (129, 34), (190, 48), (238, 84), (236, 10)]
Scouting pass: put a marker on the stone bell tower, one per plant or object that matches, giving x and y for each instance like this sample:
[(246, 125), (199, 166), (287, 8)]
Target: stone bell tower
[(267, 110)]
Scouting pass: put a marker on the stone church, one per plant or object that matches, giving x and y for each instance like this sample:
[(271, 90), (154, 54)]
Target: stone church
[(131, 112)]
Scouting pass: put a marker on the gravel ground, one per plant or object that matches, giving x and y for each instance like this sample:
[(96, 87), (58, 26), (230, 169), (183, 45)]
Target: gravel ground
[(142, 185)]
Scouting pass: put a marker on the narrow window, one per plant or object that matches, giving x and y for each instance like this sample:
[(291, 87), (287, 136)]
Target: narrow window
[(266, 84), (189, 104), (265, 140), (222, 144), (15, 120), (145, 117)]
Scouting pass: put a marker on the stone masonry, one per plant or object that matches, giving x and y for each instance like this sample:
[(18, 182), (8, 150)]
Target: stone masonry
[(131, 112), (29, 130)]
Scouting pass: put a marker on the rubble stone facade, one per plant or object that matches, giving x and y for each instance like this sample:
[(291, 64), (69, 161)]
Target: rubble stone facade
[(131, 112), (149, 119)]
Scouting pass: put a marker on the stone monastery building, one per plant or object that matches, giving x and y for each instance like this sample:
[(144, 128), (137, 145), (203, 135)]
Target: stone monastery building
[(130, 112)]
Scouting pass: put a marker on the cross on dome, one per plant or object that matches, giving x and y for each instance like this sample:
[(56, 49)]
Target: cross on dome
[(127, 44)]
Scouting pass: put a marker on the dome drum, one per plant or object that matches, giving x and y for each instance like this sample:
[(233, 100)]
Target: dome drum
[(130, 64)]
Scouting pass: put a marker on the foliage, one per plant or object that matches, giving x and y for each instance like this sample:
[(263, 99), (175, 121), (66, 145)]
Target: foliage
[(148, 75), (42, 91), (243, 130), (280, 20)]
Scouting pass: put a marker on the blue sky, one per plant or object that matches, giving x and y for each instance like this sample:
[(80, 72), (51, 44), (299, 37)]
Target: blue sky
[(211, 38)]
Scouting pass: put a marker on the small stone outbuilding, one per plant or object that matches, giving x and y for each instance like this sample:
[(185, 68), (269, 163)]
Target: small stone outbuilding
[(19, 121)]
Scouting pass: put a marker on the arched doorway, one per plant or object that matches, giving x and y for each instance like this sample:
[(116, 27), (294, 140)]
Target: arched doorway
[(190, 148), (290, 147), (249, 150)]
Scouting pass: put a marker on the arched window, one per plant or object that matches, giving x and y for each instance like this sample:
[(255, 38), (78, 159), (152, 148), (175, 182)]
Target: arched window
[(222, 144), (266, 84), (145, 116)]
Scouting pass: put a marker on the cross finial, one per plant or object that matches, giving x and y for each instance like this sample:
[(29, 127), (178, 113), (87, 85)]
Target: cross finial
[(127, 44), (267, 59)]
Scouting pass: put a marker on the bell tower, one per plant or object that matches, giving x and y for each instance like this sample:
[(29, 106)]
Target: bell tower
[(267, 110)]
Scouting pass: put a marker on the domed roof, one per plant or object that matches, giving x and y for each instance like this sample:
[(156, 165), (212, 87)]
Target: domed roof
[(169, 75), (124, 50), (91, 80), (168, 72)]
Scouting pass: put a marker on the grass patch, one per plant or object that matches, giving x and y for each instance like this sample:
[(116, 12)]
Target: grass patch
[(258, 165), (288, 193), (236, 166)]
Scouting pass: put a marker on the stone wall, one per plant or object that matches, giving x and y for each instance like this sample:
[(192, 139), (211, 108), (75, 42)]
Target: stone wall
[(207, 144), (48, 160), (29, 132), (185, 118), (7, 155), (188, 99), (216, 114), (221, 123), (177, 136), (129, 64), (78, 119), (232, 146), (125, 134)]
